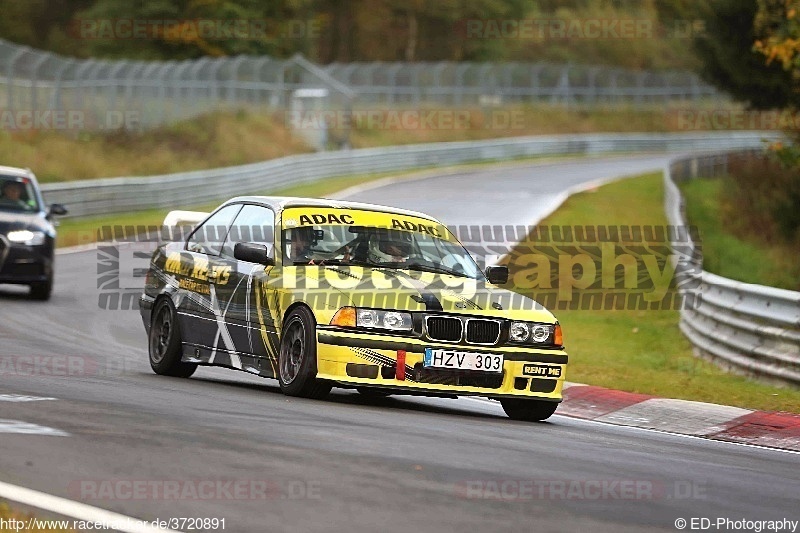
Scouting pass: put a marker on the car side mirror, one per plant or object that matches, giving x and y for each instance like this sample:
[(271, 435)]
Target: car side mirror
[(253, 253), (497, 275), (57, 210)]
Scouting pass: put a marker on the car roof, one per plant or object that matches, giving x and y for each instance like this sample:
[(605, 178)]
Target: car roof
[(279, 203), (16, 172)]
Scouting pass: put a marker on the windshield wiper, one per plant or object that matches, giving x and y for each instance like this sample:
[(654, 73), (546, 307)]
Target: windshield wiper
[(331, 262), (435, 269)]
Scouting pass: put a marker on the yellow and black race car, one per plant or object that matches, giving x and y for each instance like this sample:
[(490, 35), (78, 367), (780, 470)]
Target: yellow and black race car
[(322, 293)]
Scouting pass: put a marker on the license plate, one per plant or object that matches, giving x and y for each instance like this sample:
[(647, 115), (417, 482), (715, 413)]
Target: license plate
[(486, 362), (541, 371)]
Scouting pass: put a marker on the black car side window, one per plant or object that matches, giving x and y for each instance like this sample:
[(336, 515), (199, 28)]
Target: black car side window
[(254, 224), (208, 238)]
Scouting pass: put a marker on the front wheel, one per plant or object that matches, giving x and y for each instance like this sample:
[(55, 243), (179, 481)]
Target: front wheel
[(165, 342), (297, 360), (42, 290), (528, 410)]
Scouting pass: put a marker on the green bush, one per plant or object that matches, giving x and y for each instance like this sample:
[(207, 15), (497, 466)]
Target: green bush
[(762, 198)]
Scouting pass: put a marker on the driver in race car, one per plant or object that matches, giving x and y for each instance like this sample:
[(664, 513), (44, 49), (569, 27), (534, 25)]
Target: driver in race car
[(389, 249)]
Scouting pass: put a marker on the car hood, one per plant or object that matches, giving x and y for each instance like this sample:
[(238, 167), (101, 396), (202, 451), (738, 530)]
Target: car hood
[(12, 221), (421, 291)]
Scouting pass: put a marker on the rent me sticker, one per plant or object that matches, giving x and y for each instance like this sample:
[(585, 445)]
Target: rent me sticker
[(541, 371)]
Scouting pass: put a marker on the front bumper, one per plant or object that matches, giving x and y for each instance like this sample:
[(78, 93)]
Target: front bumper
[(20, 264), (368, 359)]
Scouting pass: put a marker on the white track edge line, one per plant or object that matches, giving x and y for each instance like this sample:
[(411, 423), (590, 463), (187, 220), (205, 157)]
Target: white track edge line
[(80, 511)]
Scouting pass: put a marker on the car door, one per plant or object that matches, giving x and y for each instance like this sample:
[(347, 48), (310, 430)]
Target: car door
[(247, 309), (199, 309)]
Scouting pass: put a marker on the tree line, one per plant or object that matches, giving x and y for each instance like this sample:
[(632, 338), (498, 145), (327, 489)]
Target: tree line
[(360, 30)]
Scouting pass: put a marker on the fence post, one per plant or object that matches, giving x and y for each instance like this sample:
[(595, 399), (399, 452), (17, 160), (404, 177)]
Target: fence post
[(10, 76)]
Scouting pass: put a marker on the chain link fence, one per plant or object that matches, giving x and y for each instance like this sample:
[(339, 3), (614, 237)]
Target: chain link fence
[(466, 83), (38, 87), (99, 94)]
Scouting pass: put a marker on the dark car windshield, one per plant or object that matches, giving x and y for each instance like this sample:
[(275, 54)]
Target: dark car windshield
[(17, 194)]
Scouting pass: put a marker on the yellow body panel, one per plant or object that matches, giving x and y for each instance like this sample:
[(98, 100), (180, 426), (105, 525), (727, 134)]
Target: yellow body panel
[(332, 361)]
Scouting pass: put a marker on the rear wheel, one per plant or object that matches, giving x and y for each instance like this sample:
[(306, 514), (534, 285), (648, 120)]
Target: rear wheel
[(165, 342), (297, 360), (528, 410)]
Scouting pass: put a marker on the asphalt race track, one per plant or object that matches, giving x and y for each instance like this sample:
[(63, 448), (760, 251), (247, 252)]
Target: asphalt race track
[(348, 464)]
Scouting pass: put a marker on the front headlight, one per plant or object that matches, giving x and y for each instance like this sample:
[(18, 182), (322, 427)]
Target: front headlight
[(28, 238), (375, 318), (533, 333), (520, 331), (372, 319)]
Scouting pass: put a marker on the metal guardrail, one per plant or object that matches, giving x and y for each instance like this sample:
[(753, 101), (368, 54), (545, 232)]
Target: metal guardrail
[(746, 328), (115, 195)]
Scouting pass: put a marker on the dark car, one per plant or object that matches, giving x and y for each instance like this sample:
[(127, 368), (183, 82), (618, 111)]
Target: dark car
[(27, 234)]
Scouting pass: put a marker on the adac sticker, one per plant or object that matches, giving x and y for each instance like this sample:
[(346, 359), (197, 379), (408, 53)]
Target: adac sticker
[(317, 216)]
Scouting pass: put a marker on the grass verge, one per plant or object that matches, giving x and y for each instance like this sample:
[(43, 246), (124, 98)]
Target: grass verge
[(642, 350), (8, 513), (747, 259), (209, 141), (226, 138)]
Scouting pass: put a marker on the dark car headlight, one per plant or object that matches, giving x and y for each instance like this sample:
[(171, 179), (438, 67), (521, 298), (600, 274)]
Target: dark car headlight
[(534, 333), (26, 237)]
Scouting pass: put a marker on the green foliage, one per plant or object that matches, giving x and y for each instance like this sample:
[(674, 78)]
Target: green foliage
[(729, 61), (731, 246), (777, 25), (764, 196), (352, 30)]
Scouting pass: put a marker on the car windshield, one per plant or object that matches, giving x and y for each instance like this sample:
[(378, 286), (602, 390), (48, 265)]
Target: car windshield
[(17, 194), (372, 239)]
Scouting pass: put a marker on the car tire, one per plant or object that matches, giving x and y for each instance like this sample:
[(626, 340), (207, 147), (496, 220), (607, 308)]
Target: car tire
[(43, 290), (297, 359), (164, 342), (528, 410), (373, 393)]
